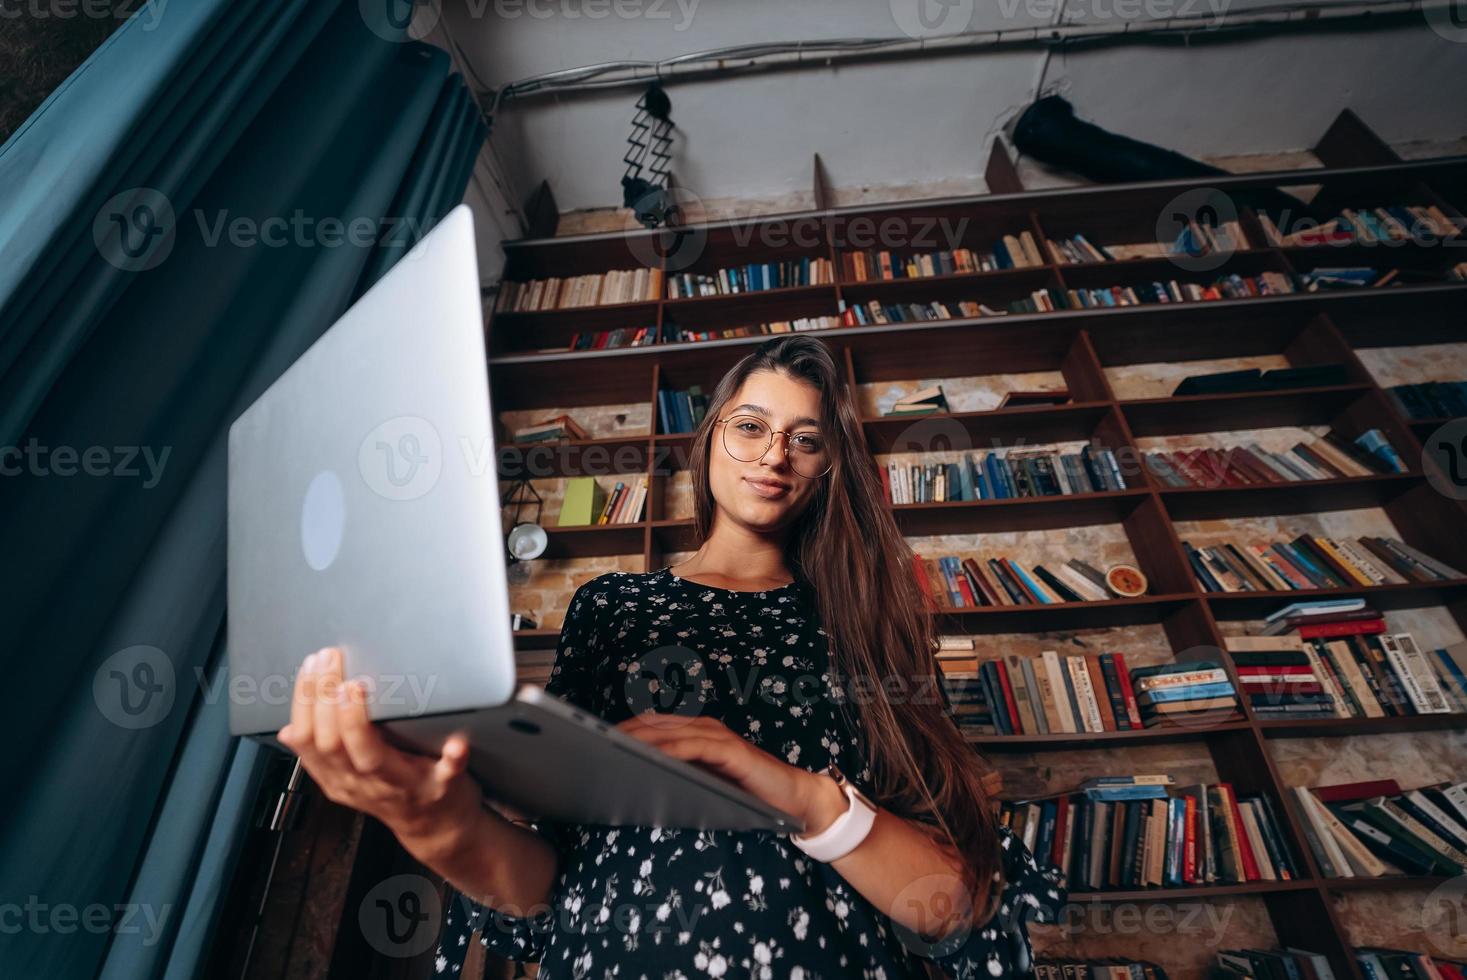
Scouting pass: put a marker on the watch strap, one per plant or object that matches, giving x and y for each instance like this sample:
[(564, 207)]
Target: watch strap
[(845, 834)]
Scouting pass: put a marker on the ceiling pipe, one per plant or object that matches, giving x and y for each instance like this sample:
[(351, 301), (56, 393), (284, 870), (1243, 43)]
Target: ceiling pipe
[(820, 54)]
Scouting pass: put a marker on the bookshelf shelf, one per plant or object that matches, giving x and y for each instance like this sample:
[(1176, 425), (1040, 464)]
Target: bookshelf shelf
[(594, 540), (1304, 497), (1087, 347), (1383, 883), (1036, 425), (1017, 513), (1160, 735), (1423, 428), (1242, 410), (1408, 595), (1403, 299), (974, 285), (1336, 727), (536, 639), (1060, 615), (1192, 893)]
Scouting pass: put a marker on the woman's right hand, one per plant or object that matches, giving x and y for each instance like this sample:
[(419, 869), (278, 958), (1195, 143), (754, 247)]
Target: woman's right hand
[(431, 805)]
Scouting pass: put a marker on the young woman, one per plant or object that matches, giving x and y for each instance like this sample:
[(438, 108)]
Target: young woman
[(791, 654)]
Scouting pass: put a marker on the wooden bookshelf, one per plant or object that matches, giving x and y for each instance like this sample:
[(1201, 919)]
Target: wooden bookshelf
[(1083, 346)]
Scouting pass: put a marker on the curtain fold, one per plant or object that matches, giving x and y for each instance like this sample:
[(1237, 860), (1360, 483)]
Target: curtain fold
[(297, 115)]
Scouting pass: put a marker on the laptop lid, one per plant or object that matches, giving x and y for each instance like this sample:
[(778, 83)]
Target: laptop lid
[(364, 505)]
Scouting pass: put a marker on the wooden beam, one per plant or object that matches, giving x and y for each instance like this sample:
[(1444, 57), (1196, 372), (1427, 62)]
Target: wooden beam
[(1350, 143), (1001, 176), (821, 186), (541, 212)]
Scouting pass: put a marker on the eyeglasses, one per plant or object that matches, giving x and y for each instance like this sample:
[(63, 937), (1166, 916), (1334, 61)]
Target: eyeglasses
[(747, 438)]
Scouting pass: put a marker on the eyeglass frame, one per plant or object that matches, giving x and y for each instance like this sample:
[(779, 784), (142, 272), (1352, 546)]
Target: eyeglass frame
[(772, 432)]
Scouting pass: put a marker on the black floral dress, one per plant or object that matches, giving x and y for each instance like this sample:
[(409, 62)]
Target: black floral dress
[(674, 904)]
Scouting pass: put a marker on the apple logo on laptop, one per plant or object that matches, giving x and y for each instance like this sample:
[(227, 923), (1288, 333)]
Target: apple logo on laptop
[(323, 519)]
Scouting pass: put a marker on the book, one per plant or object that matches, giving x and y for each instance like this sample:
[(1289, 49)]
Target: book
[(1313, 562), (559, 427), (582, 503)]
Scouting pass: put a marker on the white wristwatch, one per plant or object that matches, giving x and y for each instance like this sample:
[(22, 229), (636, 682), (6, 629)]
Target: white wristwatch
[(849, 829)]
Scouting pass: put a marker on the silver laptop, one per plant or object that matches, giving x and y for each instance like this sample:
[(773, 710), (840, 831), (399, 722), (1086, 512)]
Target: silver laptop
[(364, 514)]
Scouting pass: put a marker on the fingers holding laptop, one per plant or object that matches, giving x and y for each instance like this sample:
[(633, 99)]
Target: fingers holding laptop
[(712, 745), (332, 733)]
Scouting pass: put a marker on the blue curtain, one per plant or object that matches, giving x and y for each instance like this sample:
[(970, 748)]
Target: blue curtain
[(178, 222)]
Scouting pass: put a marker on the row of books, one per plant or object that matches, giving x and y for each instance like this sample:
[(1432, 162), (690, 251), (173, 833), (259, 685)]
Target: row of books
[(1327, 458), (1126, 832), (586, 502), (1377, 963), (1367, 225), (1284, 964), (1313, 562), (672, 333), (1011, 252), (1278, 677), (1199, 238), (923, 401), (1195, 239), (875, 311), (1232, 286), (1365, 673), (1047, 300), (612, 339), (1004, 475), (1110, 968), (681, 410), (592, 289), (1431, 399), (962, 583), (550, 430), (625, 503), (1071, 694), (752, 278), (1346, 277), (1373, 829)]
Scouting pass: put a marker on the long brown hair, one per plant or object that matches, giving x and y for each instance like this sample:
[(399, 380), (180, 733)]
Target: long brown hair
[(848, 549)]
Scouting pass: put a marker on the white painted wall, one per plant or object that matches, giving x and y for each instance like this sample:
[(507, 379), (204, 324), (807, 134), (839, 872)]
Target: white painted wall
[(927, 121)]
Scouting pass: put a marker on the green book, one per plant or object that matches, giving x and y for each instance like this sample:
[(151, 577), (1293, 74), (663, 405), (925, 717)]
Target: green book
[(584, 498)]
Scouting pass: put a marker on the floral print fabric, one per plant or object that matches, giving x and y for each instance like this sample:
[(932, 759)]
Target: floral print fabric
[(675, 904)]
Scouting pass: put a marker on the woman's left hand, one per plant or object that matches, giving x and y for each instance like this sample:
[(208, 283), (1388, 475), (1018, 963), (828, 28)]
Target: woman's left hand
[(711, 744)]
